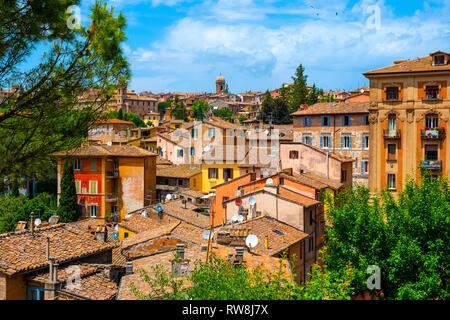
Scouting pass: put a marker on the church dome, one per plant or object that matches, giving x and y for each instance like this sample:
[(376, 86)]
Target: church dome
[(220, 78)]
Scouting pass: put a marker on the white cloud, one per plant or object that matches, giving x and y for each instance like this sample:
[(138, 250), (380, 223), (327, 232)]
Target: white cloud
[(238, 38)]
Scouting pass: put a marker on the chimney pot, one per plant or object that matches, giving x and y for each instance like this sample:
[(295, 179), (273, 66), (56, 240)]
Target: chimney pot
[(129, 268)]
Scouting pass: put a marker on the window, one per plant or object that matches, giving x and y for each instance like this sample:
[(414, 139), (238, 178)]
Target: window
[(325, 121), (343, 175), (346, 121), (116, 165), (213, 173), (77, 164), (431, 122), (93, 187), (125, 235), (78, 186), (180, 153), (306, 139), (346, 142), (432, 92), (281, 181), (365, 166), (35, 293), (225, 199), (392, 93), (431, 152), (310, 217), (93, 211), (439, 60), (365, 142), (194, 182), (293, 154), (307, 121), (93, 165), (192, 151), (211, 132), (391, 182), (227, 174), (325, 141), (366, 120), (392, 151), (180, 182)]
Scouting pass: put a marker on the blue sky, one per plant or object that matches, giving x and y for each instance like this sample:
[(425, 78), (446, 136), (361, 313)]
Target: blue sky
[(176, 45)]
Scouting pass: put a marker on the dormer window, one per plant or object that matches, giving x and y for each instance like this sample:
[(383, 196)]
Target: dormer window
[(439, 60)]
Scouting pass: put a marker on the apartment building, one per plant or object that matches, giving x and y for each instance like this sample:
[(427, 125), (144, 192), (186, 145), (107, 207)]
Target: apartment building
[(409, 113)]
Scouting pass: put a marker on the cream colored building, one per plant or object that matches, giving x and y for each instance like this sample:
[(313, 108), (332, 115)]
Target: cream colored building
[(409, 114)]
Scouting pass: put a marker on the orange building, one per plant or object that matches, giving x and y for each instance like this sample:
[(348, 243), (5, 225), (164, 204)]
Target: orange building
[(111, 180), (409, 115)]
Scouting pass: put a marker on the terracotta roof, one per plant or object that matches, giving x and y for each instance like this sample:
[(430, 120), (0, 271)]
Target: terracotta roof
[(189, 232), (162, 162), (331, 183), (22, 251), (191, 193), (183, 171), (114, 121), (106, 151), (90, 225), (333, 155), (323, 108), (174, 209), (153, 233), (423, 64), (195, 255), (219, 122), (280, 235), (137, 223)]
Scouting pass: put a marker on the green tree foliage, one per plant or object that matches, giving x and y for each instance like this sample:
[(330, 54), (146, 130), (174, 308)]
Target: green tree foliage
[(222, 280), (126, 116), (276, 110), (68, 209), (242, 119), (19, 208), (179, 110), (224, 113), (406, 238), (120, 115), (200, 109), (162, 106), (44, 115)]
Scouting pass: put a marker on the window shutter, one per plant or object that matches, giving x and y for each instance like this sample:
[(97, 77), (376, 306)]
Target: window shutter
[(350, 142), (342, 142), (209, 173), (80, 161), (303, 139), (362, 167), (321, 142), (364, 142), (349, 120), (343, 120), (304, 122), (309, 121)]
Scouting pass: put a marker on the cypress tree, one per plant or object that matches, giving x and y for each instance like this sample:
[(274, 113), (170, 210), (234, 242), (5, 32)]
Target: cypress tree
[(68, 209), (120, 114)]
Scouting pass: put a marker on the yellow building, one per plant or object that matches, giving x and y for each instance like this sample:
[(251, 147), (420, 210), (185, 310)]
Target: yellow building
[(409, 115), (153, 117)]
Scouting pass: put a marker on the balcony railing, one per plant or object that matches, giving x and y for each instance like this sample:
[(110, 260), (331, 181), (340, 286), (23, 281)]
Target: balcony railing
[(391, 134), (112, 197), (432, 164), (433, 133), (112, 174)]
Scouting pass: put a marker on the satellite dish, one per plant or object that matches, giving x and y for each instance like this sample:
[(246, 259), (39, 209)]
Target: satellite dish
[(128, 216), (37, 222), (269, 181), (109, 143), (207, 148), (266, 132), (205, 234), (175, 196), (362, 91), (163, 150), (144, 214), (240, 218), (251, 201), (168, 196), (115, 235), (159, 208), (116, 227), (238, 202), (251, 241)]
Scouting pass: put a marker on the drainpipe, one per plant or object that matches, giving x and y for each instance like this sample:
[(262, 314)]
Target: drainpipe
[(328, 165)]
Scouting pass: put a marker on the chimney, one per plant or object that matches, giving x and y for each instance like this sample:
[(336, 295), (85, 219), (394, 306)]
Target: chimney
[(101, 234), (52, 285), (32, 223), (47, 253), (54, 219), (129, 268), (180, 251), (183, 203), (239, 254), (266, 242), (160, 215)]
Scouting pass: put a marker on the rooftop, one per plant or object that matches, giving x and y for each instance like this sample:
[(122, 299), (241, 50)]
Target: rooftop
[(183, 171), (323, 108), (106, 151)]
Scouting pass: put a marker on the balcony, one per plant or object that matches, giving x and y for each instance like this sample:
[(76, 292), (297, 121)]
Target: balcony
[(112, 197), (391, 134), (112, 174), (433, 133), (432, 164)]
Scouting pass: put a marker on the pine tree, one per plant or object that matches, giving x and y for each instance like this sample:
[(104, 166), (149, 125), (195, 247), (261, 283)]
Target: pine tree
[(68, 209)]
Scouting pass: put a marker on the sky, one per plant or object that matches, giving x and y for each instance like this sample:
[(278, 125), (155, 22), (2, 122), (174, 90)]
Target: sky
[(183, 45)]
